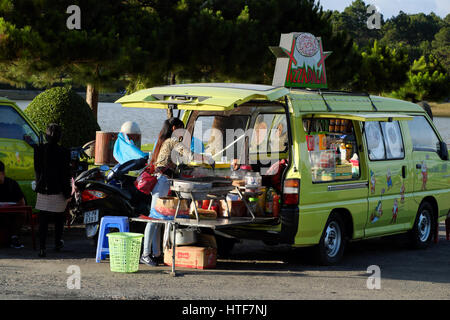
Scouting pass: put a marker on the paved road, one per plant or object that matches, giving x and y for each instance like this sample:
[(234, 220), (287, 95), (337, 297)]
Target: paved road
[(253, 271)]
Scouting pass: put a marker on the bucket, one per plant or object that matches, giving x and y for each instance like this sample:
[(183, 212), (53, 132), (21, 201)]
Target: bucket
[(124, 251)]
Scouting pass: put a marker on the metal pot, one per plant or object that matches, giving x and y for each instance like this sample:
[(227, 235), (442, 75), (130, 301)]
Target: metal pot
[(184, 236), (188, 186), (198, 189)]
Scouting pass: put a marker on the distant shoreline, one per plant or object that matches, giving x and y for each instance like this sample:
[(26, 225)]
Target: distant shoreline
[(31, 94), (440, 109)]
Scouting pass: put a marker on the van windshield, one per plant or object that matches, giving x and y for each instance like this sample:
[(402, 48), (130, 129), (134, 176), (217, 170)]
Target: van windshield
[(13, 126)]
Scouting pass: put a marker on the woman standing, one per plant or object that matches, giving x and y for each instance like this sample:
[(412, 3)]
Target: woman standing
[(53, 187), (167, 152)]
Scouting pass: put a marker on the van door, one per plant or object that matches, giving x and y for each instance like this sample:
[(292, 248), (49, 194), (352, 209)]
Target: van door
[(390, 184), (331, 178), (15, 152), (430, 171)]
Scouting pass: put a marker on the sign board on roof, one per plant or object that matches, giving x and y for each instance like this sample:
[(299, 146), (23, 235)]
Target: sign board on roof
[(300, 61)]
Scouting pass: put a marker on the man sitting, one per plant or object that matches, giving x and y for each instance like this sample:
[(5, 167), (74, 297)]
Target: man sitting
[(10, 192)]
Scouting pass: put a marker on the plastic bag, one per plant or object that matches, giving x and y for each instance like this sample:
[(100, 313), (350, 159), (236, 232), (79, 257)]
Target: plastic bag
[(146, 181), (125, 149)]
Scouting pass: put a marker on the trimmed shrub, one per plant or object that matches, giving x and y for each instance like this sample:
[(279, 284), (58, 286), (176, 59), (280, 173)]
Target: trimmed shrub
[(65, 107)]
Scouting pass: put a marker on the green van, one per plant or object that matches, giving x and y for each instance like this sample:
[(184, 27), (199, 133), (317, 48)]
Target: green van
[(358, 166), (15, 152)]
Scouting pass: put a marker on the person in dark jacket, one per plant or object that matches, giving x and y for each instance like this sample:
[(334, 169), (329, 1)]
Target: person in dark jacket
[(53, 185)]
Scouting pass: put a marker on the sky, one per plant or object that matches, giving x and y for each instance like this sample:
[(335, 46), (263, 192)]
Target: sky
[(391, 8)]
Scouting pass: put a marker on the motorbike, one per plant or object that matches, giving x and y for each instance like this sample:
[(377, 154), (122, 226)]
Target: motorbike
[(78, 164), (102, 192)]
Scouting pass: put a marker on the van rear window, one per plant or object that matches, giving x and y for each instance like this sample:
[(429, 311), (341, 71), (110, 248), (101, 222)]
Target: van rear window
[(214, 135), (269, 134)]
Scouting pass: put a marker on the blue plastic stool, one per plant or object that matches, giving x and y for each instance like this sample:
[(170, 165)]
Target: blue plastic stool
[(106, 223)]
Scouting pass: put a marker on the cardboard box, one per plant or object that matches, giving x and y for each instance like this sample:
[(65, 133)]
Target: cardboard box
[(237, 209), (202, 256), (192, 257), (343, 172)]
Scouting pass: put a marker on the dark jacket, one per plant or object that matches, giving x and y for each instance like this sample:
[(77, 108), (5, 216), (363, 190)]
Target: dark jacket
[(52, 167)]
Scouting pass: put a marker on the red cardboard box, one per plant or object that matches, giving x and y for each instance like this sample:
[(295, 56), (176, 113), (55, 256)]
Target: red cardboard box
[(202, 256)]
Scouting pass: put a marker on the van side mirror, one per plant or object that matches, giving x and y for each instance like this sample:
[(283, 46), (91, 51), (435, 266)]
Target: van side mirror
[(41, 137), (443, 150)]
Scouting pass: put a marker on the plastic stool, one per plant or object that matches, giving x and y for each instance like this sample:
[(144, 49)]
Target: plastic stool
[(106, 223), (447, 228)]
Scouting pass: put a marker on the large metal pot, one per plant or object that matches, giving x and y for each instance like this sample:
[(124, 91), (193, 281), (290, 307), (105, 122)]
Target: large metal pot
[(185, 236), (189, 186), (198, 189)]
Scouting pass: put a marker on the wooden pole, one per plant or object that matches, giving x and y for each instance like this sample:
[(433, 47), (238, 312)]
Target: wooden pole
[(92, 98)]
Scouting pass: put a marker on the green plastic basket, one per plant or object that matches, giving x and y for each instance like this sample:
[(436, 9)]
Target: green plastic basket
[(124, 251)]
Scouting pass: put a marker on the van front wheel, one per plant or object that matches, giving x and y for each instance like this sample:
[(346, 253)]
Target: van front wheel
[(421, 233), (330, 249)]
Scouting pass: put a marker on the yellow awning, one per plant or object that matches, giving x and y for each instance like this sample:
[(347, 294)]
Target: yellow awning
[(208, 96)]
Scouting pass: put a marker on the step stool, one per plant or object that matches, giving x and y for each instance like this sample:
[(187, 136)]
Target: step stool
[(106, 223)]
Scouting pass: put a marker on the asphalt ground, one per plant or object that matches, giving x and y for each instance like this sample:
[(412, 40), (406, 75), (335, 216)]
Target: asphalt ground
[(253, 271)]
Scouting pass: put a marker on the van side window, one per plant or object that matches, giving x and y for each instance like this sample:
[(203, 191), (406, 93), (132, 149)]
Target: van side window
[(393, 140), (332, 148), (422, 134), (374, 138), (384, 140), (13, 126)]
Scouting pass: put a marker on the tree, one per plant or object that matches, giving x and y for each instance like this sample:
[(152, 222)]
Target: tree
[(414, 32), (354, 21), (382, 69), (427, 80), (228, 41), (113, 40), (441, 45), (153, 42)]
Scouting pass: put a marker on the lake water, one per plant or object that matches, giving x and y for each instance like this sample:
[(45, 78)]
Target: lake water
[(111, 116)]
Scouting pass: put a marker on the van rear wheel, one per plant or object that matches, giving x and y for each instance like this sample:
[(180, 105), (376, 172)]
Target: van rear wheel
[(422, 231), (330, 249)]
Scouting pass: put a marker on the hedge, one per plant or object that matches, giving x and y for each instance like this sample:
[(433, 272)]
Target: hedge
[(65, 107)]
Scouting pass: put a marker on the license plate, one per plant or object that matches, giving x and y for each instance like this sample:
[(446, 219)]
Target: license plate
[(91, 216)]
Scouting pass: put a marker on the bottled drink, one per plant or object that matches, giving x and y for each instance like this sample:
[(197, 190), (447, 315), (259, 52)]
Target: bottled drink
[(269, 202), (276, 205), (338, 155)]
